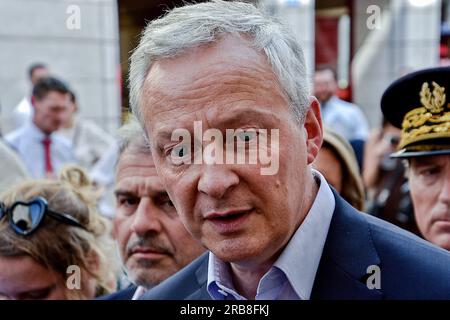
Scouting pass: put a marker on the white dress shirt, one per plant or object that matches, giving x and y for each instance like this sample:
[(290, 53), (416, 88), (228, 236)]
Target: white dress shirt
[(138, 293), (345, 118), (90, 142), (22, 113), (27, 141), (292, 275)]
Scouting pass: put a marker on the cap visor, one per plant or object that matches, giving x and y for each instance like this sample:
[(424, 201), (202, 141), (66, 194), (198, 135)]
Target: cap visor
[(410, 154)]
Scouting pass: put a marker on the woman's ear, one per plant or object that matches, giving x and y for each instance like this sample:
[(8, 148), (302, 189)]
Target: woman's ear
[(314, 130)]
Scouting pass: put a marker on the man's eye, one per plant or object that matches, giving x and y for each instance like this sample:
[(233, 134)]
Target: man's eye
[(247, 135), (168, 204), (180, 154), (430, 171), (168, 207), (127, 201), (164, 201), (179, 151), (429, 174)]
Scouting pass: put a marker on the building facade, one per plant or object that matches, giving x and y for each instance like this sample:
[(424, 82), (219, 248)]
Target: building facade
[(78, 40)]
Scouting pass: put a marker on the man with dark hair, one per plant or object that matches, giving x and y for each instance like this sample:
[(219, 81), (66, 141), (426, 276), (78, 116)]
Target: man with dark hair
[(23, 111), (345, 118), (42, 151)]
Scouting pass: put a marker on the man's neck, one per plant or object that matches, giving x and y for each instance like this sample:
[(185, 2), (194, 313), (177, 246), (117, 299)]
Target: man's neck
[(40, 129), (324, 102), (246, 276), (246, 280)]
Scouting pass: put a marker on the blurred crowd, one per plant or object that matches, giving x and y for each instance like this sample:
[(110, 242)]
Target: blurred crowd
[(76, 200)]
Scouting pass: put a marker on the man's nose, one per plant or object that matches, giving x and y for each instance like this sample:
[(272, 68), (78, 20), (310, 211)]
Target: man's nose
[(445, 191), (146, 218), (216, 180)]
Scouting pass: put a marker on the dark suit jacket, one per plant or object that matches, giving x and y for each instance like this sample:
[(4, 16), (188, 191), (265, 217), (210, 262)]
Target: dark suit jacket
[(410, 267), (125, 294)]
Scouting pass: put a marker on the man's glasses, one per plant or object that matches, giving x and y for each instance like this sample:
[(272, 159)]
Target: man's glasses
[(26, 217)]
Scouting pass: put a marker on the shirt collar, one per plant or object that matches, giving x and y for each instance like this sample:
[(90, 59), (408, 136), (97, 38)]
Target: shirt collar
[(34, 132), (299, 260), (325, 104), (138, 293)]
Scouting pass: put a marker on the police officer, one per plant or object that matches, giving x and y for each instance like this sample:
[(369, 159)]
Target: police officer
[(418, 104)]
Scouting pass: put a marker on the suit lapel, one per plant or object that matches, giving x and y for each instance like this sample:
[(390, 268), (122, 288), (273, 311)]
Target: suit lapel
[(348, 252), (201, 275), (342, 272)]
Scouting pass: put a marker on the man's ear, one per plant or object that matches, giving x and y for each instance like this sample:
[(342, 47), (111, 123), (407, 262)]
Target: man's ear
[(314, 130), (33, 101)]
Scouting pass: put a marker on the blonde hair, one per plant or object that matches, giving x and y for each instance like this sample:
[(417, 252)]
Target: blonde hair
[(57, 245), (352, 184)]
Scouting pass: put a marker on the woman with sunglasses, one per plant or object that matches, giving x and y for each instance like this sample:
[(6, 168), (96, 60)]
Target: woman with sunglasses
[(53, 242)]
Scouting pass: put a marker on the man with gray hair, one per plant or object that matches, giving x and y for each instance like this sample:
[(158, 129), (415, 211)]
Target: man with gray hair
[(227, 68), (152, 241)]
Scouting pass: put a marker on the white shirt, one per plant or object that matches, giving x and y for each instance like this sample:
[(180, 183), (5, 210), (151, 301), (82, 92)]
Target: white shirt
[(27, 141), (293, 273), (89, 141), (345, 118), (138, 293), (22, 113), (103, 173)]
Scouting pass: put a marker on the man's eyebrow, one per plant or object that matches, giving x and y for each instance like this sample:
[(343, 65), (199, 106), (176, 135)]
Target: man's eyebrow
[(164, 135), (233, 116), (121, 192), (160, 194), (154, 193), (424, 162), (244, 120)]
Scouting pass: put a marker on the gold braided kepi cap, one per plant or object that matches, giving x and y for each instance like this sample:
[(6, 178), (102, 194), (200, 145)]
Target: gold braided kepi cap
[(417, 104)]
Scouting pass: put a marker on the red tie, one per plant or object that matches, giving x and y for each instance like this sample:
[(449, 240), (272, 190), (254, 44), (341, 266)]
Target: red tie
[(48, 160)]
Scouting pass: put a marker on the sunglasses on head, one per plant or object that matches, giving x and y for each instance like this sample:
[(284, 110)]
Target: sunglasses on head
[(26, 217)]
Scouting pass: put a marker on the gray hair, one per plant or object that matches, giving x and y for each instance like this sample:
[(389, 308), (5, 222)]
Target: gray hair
[(194, 25), (131, 136)]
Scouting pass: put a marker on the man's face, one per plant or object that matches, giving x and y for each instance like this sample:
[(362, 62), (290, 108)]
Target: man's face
[(50, 111), (236, 212), (324, 85), (429, 181), (153, 242), (68, 115)]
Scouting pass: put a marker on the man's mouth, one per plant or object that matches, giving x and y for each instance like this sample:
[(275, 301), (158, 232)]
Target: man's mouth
[(228, 221), (443, 223), (147, 253)]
